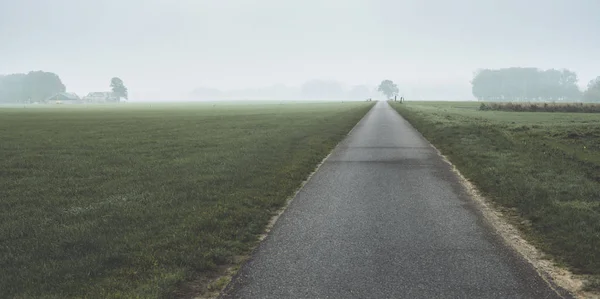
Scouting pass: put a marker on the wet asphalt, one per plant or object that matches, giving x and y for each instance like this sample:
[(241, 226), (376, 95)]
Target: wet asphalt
[(385, 217)]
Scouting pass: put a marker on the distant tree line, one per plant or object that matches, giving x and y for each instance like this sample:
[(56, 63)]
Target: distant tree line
[(592, 93), (29, 88), (313, 89), (39, 85), (525, 84), (322, 89), (519, 84)]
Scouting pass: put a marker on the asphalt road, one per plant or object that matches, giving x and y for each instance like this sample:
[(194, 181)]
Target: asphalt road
[(384, 217)]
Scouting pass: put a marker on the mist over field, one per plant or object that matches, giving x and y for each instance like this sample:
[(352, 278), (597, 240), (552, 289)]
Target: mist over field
[(269, 49), (148, 146)]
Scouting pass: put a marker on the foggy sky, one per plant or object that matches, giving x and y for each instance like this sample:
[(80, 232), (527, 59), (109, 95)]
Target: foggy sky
[(159, 46)]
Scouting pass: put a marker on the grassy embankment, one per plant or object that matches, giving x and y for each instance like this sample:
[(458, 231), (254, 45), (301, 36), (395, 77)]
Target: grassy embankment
[(134, 202), (543, 167)]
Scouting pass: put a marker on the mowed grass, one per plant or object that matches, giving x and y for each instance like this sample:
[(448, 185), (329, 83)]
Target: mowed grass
[(137, 201), (542, 167)]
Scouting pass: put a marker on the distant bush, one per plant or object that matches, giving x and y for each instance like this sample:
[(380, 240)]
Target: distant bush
[(541, 107)]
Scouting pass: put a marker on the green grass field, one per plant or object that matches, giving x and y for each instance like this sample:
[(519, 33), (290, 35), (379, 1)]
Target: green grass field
[(137, 200), (543, 167)]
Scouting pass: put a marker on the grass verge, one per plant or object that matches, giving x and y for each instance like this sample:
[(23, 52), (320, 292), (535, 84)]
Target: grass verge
[(541, 107), (544, 167), (134, 202)]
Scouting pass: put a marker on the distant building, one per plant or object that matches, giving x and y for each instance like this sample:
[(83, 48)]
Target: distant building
[(63, 98), (101, 97)]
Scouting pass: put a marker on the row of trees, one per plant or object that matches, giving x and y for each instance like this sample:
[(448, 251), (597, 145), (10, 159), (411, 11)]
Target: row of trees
[(530, 85), (333, 89), (30, 87), (592, 93), (508, 84), (312, 89), (39, 85)]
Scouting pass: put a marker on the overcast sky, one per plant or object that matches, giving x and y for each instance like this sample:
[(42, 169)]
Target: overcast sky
[(161, 45)]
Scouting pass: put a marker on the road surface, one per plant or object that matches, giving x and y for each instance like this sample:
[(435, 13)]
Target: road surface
[(384, 217)]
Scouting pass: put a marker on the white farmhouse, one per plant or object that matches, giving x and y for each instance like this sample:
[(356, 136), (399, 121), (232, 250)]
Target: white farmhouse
[(101, 97)]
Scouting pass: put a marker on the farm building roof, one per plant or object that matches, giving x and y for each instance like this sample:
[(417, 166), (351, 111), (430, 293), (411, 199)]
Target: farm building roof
[(64, 95)]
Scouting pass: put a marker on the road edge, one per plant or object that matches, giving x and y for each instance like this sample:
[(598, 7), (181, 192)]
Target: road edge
[(224, 281), (562, 281)]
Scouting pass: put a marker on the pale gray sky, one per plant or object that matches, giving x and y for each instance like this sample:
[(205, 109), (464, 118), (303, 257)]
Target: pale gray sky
[(160, 45)]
